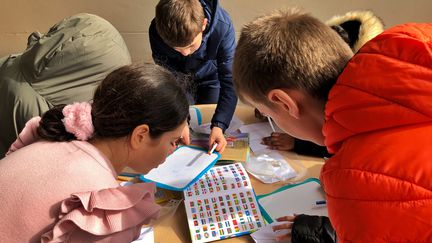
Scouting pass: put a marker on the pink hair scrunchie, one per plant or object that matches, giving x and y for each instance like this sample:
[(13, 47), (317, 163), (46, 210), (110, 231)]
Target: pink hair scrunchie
[(78, 120)]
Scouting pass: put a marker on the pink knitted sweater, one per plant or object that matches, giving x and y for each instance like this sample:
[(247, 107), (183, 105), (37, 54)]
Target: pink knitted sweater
[(67, 192)]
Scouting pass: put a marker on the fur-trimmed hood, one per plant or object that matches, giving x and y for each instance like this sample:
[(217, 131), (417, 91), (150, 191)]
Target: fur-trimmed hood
[(358, 26)]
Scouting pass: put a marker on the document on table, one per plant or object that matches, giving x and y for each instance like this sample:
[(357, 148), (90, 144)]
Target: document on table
[(257, 131), (267, 235)]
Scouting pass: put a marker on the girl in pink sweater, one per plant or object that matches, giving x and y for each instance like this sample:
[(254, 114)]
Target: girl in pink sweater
[(58, 181)]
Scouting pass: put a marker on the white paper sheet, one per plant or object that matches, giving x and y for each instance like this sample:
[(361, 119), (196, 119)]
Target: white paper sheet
[(299, 199), (257, 131), (267, 235)]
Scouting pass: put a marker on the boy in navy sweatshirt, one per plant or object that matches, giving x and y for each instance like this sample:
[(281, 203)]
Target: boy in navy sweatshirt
[(197, 38)]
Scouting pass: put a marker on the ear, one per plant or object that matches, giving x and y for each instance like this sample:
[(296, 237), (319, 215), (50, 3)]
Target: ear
[(286, 101), (205, 22), (140, 136)]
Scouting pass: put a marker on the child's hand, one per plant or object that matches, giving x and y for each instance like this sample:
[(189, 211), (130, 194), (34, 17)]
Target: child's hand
[(289, 220), (217, 136), (279, 141), (185, 137)]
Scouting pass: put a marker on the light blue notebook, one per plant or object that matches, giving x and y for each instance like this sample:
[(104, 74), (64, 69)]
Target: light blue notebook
[(182, 168), (292, 199)]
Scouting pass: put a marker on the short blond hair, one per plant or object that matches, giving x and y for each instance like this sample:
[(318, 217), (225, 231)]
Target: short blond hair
[(178, 22), (288, 49)]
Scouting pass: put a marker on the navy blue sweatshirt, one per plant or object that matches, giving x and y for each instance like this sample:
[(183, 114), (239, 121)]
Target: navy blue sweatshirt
[(210, 66)]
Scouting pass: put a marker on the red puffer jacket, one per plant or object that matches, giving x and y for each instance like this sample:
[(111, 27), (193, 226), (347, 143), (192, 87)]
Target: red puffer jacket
[(379, 126)]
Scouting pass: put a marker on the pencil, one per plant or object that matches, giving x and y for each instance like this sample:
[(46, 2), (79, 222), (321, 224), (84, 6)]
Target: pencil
[(271, 124), (213, 148), (321, 202)]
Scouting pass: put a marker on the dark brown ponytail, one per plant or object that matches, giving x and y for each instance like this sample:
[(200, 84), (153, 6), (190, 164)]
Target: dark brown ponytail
[(51, 126)]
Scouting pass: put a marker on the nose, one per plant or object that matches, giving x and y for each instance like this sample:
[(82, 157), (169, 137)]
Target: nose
[(172, 149)]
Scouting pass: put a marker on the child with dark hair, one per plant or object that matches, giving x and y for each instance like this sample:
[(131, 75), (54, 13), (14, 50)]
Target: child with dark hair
[(197, 38), (59, 177), (371, 110)]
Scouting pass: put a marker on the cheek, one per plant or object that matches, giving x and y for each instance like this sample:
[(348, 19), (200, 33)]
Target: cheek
[(162, 152), (286, 125), (280, 123), (195, 47), (150, 158), (297, 128)]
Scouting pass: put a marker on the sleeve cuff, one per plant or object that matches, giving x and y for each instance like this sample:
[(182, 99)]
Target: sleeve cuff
[(221, 125)]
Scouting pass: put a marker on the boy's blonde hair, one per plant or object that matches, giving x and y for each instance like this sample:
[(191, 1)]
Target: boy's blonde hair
[(178, 22), (288, 49)]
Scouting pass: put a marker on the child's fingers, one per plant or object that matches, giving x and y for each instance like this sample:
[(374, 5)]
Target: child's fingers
[(286, 218), (221, 146), (269, 141), (274, 139), (211, 143), (216, 137), (276, 142), (282, 226)]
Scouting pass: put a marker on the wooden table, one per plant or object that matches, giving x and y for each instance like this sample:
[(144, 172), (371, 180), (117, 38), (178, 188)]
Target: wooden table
[(175, 228)]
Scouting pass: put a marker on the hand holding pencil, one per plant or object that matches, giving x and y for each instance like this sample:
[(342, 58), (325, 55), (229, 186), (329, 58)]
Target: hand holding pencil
[(213, 148), (217, 140)]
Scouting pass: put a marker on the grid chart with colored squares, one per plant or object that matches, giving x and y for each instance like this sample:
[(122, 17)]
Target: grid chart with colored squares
[(222, 204)]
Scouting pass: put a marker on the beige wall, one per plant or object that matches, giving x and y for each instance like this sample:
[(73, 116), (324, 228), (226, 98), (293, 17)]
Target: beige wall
[(18, 18)]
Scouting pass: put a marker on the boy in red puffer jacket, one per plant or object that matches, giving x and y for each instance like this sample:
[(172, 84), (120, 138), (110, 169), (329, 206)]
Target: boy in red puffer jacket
[(371, 110)]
